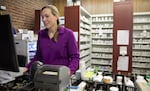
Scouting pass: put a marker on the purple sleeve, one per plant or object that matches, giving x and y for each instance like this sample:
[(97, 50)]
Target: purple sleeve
[(73, 53)]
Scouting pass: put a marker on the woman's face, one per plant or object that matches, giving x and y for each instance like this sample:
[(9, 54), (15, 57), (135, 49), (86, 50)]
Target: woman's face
[(48, 18)]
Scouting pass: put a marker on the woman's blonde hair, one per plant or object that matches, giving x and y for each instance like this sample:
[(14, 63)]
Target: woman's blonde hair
[(54, 11)]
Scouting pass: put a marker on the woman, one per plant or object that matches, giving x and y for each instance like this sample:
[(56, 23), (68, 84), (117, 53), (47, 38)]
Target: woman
[(56, 45)]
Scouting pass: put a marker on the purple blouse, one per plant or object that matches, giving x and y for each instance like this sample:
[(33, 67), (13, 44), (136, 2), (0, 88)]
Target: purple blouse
[(63, 52)]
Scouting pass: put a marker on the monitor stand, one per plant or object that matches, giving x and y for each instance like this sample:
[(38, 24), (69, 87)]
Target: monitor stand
[(8, 76)]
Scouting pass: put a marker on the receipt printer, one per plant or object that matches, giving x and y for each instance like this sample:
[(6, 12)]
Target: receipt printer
[(52, 78)]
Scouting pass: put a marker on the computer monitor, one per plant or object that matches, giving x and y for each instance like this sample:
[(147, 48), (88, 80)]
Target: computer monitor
[(8, 56)]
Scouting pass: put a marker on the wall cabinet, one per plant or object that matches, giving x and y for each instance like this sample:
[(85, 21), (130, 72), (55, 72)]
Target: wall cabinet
[(79, 20)]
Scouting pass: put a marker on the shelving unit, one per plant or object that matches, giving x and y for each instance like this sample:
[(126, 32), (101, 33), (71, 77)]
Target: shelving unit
[(85, 37), (141, 43), (79, 20), (102, 26), (102, 41), (102, 29)]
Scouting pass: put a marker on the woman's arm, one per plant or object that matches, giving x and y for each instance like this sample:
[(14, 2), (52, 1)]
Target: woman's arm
[(73, 51)]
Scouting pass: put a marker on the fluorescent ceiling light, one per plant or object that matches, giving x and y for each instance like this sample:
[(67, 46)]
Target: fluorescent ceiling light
[(117, 0)]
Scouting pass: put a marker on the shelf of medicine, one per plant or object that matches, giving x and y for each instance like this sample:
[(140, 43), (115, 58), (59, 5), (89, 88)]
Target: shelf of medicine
[(102, 28), (141, 43), (85, 36), (101, 57), (104, 44)]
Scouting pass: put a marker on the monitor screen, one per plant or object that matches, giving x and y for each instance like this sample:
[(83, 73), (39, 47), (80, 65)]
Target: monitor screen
[(8, 57)]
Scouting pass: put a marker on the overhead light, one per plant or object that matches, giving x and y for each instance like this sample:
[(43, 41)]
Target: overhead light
[(118, 0)]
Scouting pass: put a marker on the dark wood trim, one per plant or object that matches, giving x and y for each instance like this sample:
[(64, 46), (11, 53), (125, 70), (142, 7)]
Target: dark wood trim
[(123, 20)]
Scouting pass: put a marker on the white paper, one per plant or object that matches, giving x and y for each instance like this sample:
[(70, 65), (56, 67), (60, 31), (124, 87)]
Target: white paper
[(76, 35), (123, 50), (123, 37), (122, 63)]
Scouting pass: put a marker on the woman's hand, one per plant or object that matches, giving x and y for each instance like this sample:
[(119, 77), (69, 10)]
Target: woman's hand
[(24, 69)]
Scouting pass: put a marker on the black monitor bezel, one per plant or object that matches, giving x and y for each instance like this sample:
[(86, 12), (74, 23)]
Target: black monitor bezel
[(8, 56)]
